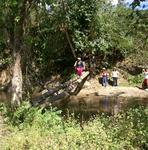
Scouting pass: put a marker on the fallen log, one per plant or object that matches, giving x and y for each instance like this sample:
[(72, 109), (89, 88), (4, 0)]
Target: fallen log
[(56, 100), (80, 83), (41, 96), (61, 93)]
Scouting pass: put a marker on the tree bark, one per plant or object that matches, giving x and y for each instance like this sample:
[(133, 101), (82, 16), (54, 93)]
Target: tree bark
[(17, 46), (53, 97), (17, 82), (70, 44)]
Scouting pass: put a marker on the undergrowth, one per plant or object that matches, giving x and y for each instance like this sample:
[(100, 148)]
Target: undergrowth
[(32, 128), (135, 80)]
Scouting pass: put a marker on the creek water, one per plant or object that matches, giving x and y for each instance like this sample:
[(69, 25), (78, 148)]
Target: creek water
[(92, 105), (4, 97)]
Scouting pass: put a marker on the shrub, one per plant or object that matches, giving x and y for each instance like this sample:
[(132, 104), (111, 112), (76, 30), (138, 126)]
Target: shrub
[(134, 80), (36, 129)]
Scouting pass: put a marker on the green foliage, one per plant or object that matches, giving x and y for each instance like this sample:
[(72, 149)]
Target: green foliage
[(136, 79), (93, 26), (25, 115), (46, 130), (85, 28)]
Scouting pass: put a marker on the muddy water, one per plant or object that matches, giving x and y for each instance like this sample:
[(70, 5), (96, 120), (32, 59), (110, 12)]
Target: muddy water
[(4, 97), (93, 105)]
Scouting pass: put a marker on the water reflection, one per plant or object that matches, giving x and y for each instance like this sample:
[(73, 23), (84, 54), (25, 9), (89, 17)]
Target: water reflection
[(5, 97), (92, 105)]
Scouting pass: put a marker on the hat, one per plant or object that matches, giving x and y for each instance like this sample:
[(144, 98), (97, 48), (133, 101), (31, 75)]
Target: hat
[(79, 58), (103, 68)]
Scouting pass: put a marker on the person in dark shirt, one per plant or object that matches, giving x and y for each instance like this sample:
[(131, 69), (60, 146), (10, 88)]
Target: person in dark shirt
[(92, 66)]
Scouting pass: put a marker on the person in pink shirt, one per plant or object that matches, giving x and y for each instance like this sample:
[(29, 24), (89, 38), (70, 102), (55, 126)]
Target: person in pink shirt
[(79, 66)]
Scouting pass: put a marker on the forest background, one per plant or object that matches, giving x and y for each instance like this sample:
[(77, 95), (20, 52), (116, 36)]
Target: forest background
[(40, 38)]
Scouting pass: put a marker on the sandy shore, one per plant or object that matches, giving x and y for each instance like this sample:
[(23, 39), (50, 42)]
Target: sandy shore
[(93, 86)]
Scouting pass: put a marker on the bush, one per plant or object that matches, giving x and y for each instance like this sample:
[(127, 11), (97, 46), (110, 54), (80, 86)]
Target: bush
[(35, 129), (135, 80)]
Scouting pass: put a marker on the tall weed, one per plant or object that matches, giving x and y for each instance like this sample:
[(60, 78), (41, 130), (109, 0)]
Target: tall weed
[(37, 129)]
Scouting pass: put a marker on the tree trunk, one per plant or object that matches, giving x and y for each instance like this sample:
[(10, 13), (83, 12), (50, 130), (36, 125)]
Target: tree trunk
[(56, 98), (70, 44), (17, 46), (17, 82), (66, 32)]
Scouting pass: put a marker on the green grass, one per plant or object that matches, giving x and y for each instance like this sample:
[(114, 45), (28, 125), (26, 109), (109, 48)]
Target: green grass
[(35, 129)]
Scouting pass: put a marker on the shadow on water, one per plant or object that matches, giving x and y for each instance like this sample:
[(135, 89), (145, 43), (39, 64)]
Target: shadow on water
[(90, 106)]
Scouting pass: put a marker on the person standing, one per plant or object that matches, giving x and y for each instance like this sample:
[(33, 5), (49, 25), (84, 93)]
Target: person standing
[(104, 75), (115, 75), (92, 66), (145, 81), (79, 66)]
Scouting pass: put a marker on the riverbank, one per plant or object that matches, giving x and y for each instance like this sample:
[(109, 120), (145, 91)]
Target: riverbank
[(125, 90)]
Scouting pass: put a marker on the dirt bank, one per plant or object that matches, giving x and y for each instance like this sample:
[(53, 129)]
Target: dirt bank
[(93, 86)]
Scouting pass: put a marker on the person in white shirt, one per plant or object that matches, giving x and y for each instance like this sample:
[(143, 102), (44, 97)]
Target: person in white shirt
[(145, 81), (115, 75)]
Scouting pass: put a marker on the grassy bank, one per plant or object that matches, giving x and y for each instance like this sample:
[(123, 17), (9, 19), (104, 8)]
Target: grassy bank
[(35, 129)]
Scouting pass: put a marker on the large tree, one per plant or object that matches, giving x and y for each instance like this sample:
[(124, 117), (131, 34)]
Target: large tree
[(41, 33), (14, 24)]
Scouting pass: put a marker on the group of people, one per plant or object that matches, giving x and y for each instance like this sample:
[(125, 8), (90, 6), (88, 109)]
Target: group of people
[(80, 67), (105, 76)]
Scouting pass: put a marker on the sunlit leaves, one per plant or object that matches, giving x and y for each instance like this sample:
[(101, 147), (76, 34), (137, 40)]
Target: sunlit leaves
[(94, 26)]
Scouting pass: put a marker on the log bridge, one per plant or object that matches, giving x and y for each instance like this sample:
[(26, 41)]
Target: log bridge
[(60, 95)]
